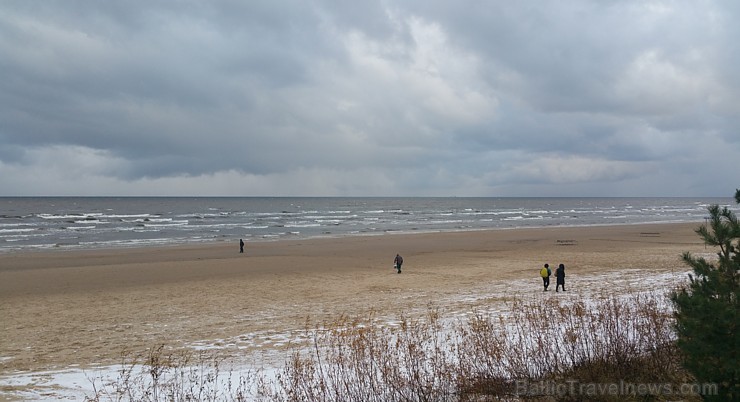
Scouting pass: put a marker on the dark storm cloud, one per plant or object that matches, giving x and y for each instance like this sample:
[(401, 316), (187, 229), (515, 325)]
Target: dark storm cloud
[(332, 98)]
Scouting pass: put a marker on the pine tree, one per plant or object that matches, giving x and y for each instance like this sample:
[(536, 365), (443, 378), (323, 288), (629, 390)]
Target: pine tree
[(706, 308)]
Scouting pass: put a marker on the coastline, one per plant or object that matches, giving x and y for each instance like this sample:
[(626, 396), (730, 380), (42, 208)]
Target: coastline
[(85, 223), (84, 308)]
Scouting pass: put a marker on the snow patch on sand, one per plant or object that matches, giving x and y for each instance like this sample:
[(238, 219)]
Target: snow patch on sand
[(266, 350)]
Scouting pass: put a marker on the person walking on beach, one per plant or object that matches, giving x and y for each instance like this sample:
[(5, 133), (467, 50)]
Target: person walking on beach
[(398, 261), (545, 274), (560, 277), (241, 245)]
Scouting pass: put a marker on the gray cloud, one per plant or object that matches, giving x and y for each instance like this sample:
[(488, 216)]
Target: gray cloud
[(378, 98)]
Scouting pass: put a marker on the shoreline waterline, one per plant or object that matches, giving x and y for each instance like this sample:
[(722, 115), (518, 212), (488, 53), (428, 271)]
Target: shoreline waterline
[(230, 242), (109, 222), (252, 244)]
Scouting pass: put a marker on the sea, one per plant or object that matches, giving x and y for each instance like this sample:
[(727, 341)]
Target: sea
[(61, 223)]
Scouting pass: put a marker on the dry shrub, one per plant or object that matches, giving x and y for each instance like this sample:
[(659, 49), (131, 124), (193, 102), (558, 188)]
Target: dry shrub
[(577, 341), (162, 375), (371, 361), (484, 357)]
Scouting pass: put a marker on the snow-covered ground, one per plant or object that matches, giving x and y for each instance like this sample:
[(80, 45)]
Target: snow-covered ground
[(75, 383)]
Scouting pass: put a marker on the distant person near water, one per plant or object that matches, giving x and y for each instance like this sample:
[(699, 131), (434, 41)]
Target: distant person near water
[(560, 277), (397, 262), (241, 245), (545, 273)]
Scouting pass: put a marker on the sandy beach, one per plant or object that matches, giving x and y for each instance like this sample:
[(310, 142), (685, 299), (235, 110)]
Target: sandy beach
[(83, 308)]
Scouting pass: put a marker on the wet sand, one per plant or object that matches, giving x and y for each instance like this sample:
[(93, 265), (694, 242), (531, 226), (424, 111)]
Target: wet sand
[(79, 308)]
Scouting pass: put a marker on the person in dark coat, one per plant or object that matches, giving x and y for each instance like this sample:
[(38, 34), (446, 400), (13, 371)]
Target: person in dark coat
[(398, 261), (241, 245), (560, 277)]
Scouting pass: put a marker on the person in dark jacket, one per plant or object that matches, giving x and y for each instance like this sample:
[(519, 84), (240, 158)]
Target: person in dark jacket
[(560, 276), (398, 261), (241, 245)]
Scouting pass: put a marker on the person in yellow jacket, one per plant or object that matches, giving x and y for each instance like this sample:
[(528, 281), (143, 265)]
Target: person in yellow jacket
[(545, 274)]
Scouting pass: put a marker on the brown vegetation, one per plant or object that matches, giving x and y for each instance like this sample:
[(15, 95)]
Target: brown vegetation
[(573, 350)]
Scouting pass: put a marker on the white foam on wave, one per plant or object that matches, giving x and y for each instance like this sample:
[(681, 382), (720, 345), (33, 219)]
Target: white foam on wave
[(17, 230)]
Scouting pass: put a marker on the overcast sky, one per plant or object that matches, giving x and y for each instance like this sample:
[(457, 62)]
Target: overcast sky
[(370, 98)]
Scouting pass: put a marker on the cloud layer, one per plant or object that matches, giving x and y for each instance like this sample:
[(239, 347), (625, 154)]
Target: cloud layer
[(421, 98)]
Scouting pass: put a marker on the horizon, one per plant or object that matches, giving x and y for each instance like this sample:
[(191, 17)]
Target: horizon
[(343, 196)]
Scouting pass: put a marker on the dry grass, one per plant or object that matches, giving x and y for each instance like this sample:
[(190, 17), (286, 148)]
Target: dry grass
[(627, 340), (162, 375)]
